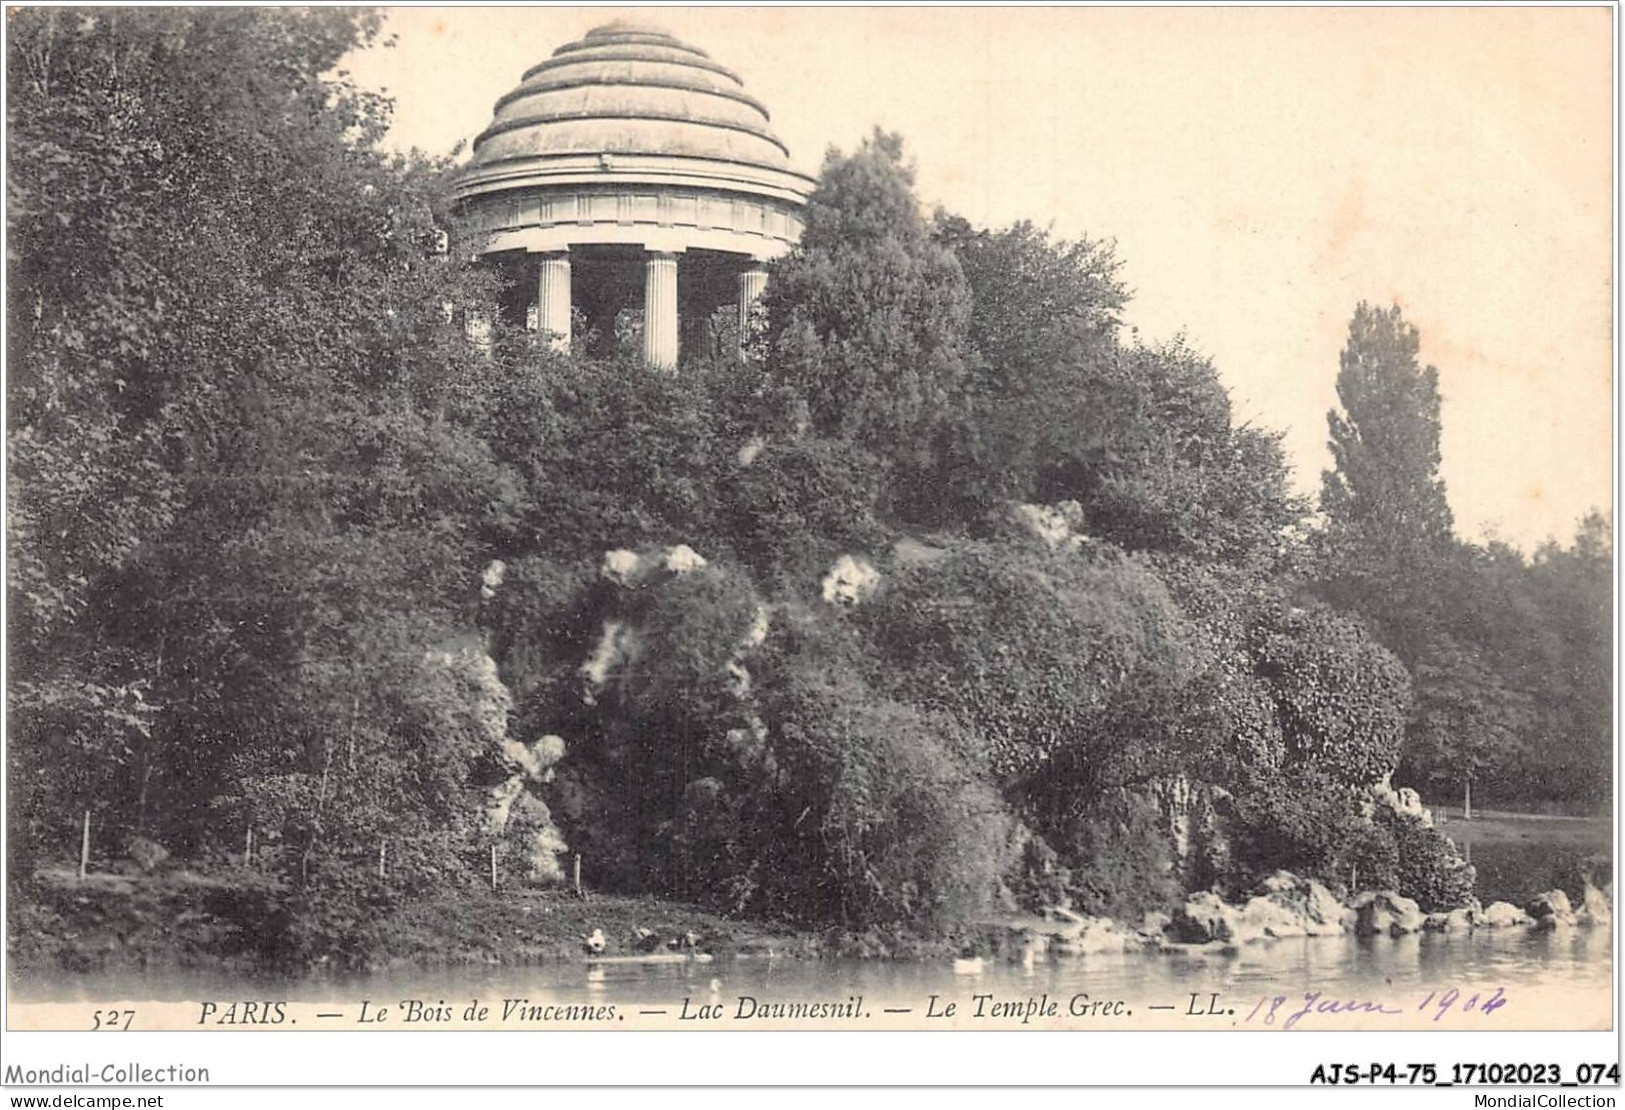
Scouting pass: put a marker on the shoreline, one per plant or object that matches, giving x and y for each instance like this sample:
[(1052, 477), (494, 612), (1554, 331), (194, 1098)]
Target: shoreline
[(176, 921)]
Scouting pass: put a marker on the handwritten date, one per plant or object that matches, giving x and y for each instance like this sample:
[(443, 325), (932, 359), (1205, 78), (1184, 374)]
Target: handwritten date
[(1287, 1012)]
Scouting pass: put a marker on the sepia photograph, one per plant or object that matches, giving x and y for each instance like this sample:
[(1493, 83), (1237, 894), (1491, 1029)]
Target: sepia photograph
[(862, 521)]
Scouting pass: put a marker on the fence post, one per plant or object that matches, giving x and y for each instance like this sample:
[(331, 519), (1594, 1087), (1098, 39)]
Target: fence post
[(1467, 802), (84, 847), (493, 866), (383, 850), (578, 874)]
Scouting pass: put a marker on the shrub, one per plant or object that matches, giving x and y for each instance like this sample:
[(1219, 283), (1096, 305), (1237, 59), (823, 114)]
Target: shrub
[(1340, 697), (1428, 867), (688, 629), (1039, 877), (885, 819), (1307, 822), (1119, 860), (612, 456), (1053, 657), (801, 499)]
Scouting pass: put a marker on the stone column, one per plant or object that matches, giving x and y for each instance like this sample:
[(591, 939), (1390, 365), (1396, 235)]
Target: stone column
[(553, 299), (660, 309), (751, 284)]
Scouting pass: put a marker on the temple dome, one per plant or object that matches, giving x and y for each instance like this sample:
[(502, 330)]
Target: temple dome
[(630, 89), (629, 136)]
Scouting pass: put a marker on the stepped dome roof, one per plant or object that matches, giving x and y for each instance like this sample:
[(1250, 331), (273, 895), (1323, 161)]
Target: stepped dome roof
[(631, 137), (630, 89)]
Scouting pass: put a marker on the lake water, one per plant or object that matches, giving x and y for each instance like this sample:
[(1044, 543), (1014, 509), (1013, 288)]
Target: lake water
[(1501, 979)]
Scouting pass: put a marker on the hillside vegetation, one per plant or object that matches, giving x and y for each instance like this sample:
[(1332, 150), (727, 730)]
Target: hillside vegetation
[(948, 596)]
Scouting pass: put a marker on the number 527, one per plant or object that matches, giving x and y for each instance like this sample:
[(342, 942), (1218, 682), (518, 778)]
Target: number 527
[(112, 1019)]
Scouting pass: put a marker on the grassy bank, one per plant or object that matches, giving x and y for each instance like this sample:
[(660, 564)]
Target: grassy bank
[(238, 918), (188, 919), (1518, 855)]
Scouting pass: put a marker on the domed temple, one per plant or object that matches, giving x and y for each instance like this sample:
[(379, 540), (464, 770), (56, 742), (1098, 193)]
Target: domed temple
[(631, 160)]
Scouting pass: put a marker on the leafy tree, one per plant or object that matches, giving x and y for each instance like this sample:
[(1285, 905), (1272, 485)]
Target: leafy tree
[(1341, 698), (1574, 588), (1468, 724), (1385, 443), (1065, 714), (608, 455), (1164, 468), (1388, 526), (886, 816), (866, 320), (1043, 310), (798, 502), (233, 324)]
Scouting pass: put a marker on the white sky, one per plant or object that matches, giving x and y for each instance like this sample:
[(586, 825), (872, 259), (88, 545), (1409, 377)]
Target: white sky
[(1262, 170)]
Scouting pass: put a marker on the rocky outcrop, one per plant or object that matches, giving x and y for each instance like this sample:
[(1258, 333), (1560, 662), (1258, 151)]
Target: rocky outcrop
[(1154, 923), (616, 647), (1315, 911), (1075, 934), (1463, 919), (682, 559), (1405, 802), (1056, 525), (1596, 908), (850, 581), (1550, 910), (1205, 917), (748, 453), (1282, 907), (1384, 912), (1263, 918), (1062, 933), (509, 809), (631, 569), (620, 566), (1503, 915)]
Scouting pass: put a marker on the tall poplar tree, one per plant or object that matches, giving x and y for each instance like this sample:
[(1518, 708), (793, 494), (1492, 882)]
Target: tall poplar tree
[(1389, 533)]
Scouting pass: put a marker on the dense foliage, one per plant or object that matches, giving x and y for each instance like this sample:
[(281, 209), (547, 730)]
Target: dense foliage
[(246, 494), (1508, 657), (948, 597)]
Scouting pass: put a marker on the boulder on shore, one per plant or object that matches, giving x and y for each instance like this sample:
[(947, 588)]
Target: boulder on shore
[(1378, 912), (1094, 936), (1315, 910), (1503, 915), (1550, 910), (1263, 917), (1203, 918), (1462, 919), (1596, 908), (1154, 923)]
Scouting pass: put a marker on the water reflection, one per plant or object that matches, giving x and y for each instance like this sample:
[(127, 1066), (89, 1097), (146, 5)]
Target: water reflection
[(1573, 962)]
